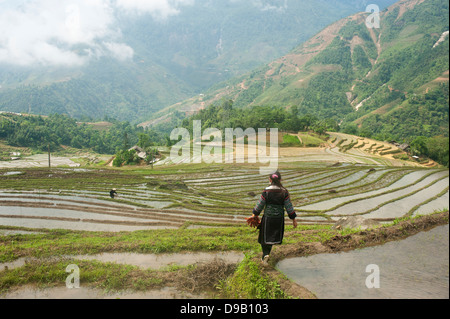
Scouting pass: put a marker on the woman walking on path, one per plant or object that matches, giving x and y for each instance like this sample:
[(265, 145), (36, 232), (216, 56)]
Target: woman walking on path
[(275, 199)]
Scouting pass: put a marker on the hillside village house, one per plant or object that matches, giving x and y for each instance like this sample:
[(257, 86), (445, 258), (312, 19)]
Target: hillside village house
[(140, 152)]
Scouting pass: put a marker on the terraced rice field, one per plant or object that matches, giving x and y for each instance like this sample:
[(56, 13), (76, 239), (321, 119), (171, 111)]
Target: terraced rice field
[(369, 151), (191, 196)]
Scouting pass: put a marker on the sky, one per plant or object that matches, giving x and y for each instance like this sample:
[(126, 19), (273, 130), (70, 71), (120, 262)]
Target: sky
[(71, 32)]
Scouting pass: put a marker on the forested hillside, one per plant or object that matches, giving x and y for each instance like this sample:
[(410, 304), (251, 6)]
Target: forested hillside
[(388, 83), (145, 59), (38, 133)]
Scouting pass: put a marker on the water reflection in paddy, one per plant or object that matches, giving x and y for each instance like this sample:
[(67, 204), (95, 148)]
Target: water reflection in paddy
[(416, 267)]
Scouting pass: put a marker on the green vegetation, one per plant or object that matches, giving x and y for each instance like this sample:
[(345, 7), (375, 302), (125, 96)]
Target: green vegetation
[(39, 133), (336, 53), (305, 139), (106, 276), (112, 277), (262, 287), (312, 139), (290, 140), (436, 148), (225, 115), (418, 115), (125, 157), (349, 146), (403, 102)]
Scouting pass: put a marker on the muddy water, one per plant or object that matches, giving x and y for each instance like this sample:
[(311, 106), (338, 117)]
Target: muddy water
[(417, 267), (62, 213), (400, 207), (39, 160), (405, 180), (57, 198), (346, 180), (434, 205), (75, 225), (6, 232), (144, 261), (88, 293), (368, 203)]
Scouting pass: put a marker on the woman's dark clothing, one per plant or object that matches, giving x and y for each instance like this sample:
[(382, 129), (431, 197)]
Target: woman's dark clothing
[(274, 200), (266, 249)]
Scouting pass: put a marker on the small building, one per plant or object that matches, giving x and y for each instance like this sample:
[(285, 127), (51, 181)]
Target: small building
[(139, 151), (404, 147)]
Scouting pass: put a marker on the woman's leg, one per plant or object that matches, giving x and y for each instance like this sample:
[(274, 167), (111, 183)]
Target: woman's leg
[(266, 249)]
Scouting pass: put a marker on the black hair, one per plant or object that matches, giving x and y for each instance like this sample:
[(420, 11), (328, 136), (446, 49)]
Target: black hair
[(276, 179)]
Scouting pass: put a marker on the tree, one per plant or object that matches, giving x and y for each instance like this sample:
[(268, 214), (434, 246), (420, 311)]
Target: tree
[(144, 140), (438, 149), (125, 157), (351, 129), (419, 146)]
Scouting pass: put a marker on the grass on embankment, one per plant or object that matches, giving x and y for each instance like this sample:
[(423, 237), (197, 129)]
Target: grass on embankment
[(247, 280), (217, 278), (66, 242), (51, 246)]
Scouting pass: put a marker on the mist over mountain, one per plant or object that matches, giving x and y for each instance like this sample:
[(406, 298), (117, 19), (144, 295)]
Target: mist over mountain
[(130, 59)]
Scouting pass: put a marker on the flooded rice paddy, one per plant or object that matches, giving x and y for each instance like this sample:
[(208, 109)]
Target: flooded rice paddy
[(91, 293), (38, 160), (146, 261), (80, 199), (416, 267)]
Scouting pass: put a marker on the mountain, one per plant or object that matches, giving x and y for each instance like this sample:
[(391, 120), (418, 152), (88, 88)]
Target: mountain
[(130, 59), (381, 81)]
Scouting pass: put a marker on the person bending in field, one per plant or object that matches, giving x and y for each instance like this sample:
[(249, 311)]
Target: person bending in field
[(113, 193), (275, 199)]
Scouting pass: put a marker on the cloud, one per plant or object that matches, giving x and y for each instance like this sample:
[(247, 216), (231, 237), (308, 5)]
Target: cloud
[(71, 32), (119, 51), (270, 5), (160, 9), (266, 5), (58, 32)]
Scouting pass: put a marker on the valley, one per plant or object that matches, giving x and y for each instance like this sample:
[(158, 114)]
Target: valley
[(116, 178)]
